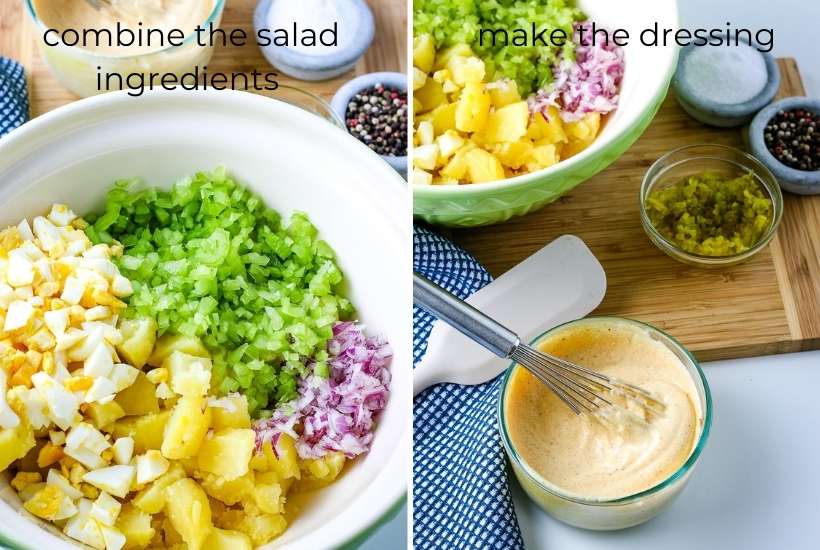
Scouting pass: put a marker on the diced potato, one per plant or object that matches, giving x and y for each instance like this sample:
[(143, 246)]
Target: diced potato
[(138, 338), (228, 453), (320, 472), (187, 507), (222, 539), (102, 415), (483, 166), (421, 177), (186, 427), (152, 499), (585, 129), (419, 78), (136, 526), (190, 375), (424, 52), (444, 118), (426, 132), (443, 57), (448, 143), (545, 155), (228, 491), (261, 528), (286, 465), (504, 93), (456, 168), (425, 156), (508, 123), (466, 69), (169, 343), (513, 154), (442, 76), (430, 95), (236, 416), (574, 147), (473, 108), (15, 443), (547, 127), (147, 430), (139, 398), (269, 498)]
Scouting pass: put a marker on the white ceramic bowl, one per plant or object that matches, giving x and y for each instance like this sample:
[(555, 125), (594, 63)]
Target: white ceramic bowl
[(294, 161), (648, 71)]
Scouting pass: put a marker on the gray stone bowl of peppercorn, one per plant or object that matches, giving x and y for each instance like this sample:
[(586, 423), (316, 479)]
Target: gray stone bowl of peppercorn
[(374, 109), (785, 136)]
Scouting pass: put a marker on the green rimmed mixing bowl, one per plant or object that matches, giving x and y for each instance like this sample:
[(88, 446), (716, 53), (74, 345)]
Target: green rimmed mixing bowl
[(648, 72)]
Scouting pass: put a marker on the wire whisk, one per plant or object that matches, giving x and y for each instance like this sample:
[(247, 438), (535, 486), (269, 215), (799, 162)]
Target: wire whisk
[(580, 388)]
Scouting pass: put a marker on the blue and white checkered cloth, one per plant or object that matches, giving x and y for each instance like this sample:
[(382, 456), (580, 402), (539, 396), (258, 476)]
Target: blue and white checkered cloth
[(13, 96), (461, 499)]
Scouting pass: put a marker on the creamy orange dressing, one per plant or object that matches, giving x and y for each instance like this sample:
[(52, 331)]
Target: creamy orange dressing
[(619, 455)]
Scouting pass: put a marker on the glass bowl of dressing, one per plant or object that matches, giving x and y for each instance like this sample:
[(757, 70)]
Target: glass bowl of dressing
[(83, 70), (642, 468)]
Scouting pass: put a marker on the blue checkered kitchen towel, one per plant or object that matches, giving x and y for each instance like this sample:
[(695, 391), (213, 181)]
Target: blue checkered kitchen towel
[(13, 96), (461, 499)]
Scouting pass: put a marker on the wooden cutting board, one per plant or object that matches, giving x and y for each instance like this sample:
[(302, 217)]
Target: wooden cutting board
[(770, 304), (387, 53)]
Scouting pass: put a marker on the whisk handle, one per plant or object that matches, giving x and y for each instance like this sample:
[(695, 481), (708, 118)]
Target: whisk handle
[(463, 317)]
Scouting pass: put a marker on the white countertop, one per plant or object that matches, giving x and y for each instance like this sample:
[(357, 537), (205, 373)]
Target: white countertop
[(756, 484)]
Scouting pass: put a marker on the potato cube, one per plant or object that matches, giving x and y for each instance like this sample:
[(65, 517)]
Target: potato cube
[(139, 398), (431, 95), (261, 528), (169, 343), (152, 498), (102, 415), (147, 431), (466, 69), (547, 126), (228, 491), (188, 509), (136, 526), (425, 156), (228, 453), (186, 427), (456, 168), (508, 123), (483, 166), (545, 155), (233, 415), (190, 375), (585, 129), (138, 338), (15, 443), (504, 93), (448, 143), (443, 57), (422, 177), (426, 132), (222, 539), (320, 472), (286, 464), (473, 108), (419, 78), (424, 52), (444, 118), (513, 154)]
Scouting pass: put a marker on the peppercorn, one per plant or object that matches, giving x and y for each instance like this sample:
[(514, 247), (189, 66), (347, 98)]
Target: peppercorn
[(792, 138), (377, 116)]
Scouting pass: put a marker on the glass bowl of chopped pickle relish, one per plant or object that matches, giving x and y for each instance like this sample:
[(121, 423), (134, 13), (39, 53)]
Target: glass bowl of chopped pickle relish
[(710, 205)]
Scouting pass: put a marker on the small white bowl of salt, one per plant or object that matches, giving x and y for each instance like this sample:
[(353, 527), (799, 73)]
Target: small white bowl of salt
[(313, 39), (725, 86)]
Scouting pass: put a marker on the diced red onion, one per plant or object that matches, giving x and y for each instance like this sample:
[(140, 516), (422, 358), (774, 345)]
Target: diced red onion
[(336, 413), (590, 84)]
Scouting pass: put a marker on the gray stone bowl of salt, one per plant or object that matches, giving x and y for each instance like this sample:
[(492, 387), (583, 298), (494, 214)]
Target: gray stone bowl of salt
[(725, 86)]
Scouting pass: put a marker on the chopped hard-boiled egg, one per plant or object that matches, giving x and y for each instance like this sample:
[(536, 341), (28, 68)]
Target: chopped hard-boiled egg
[(115, 480)]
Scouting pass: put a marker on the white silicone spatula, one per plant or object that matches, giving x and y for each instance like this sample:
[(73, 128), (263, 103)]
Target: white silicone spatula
[(561, 282)]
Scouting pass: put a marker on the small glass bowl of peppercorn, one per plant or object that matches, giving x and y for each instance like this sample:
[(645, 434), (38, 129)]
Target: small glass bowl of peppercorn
[(710, 205), (785, 136), (374, 109)]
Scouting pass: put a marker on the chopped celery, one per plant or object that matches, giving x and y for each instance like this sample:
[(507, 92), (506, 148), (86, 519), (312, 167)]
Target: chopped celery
[(207, 258)]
